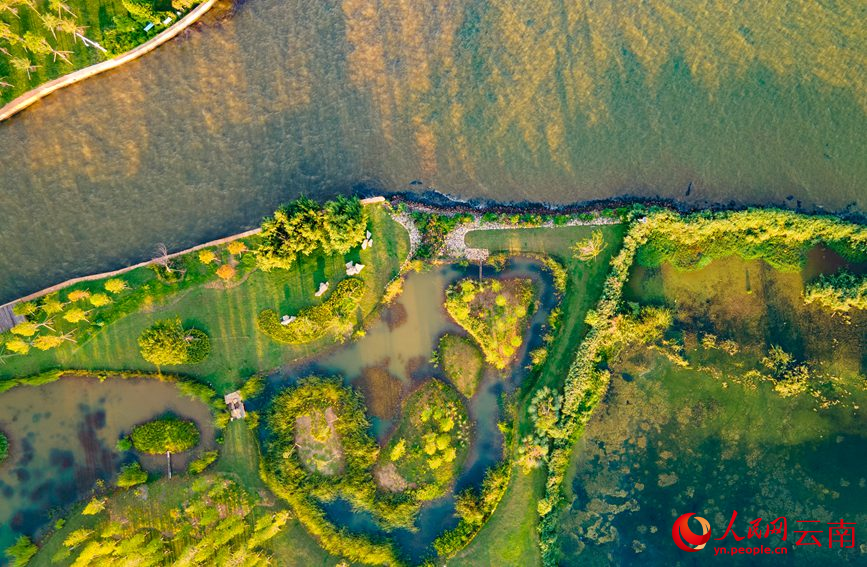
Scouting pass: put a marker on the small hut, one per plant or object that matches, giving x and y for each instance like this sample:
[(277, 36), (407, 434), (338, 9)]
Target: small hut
[(235, 405)]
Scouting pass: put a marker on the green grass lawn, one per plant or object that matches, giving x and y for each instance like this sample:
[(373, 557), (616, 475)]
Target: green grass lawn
[(228, 315), (509, 537), (106, 22)]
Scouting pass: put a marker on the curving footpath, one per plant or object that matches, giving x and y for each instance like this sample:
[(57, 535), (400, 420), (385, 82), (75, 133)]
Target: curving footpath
[(31, 96)]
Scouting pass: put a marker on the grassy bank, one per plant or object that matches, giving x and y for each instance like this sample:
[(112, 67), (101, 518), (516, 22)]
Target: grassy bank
[(509, 537), (44, 39), (226, 314)]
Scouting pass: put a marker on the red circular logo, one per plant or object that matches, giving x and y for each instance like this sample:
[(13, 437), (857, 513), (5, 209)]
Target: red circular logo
[(684, 537)]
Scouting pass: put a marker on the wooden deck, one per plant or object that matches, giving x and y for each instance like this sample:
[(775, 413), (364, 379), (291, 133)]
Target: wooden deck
[(8, 319)]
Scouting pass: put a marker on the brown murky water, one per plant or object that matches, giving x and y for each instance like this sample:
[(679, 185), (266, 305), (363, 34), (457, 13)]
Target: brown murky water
[(698, 101), (62, 442)]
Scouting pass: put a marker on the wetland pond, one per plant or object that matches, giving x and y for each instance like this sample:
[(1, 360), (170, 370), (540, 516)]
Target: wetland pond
[(710, 440), (394, 357), (62, 439)]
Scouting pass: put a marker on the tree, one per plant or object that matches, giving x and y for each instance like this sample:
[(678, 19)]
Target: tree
[(344, 225), (48, 342), (24, 309), (115, 285), (78, 295), (226, 272), (131, 475), (589, 249), (236, 247), (167, 342), (21, 552), (167, 435), (207, 256), (76, 315), (18, 346), (25, 329), (95, 506), (99, 299)]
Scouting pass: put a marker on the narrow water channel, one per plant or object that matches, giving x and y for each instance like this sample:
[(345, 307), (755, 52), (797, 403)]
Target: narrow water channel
[(62, 442)]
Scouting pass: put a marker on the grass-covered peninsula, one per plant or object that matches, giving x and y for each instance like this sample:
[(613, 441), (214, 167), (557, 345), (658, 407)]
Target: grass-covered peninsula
[(474, 449)]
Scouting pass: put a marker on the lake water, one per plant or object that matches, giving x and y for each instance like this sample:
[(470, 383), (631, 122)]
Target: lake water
[(698, 101), (62, 442)]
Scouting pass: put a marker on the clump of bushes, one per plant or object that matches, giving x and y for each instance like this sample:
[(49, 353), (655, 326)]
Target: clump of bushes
[(462, 362), (431, 440), (495, 313), (334, 314), (434, 227), (305, 226), (167, 342), (839, 292)]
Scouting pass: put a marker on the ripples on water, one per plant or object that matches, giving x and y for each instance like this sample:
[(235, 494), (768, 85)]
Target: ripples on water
[(497, 99)]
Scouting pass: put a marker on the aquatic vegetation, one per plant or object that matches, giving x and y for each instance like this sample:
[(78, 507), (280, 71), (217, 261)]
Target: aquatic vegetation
[(4, 447), (781, 238), (462, 363), (334, 315), (304, 226), (431, 441), (839, 292), (495, 313), (167, 342)]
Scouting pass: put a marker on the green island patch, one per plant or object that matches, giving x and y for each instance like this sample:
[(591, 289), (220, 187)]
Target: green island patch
[(495, 313), (462, 363), (430, 444)]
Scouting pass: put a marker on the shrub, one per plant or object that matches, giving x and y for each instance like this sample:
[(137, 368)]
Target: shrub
[(165, 435), (203, 462), (4, 447), (131, 475), (167, 342), (839, 292), (335, 313)]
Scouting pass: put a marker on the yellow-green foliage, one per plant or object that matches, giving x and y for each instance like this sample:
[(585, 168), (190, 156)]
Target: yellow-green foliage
[(302, 488), (462, 362), (495, 313), (839, 292), (431, 441), (218, 524), (335, 314), (779, 237)]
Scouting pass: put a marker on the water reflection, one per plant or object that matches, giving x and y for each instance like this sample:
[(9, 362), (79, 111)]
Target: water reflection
[(559, 102)]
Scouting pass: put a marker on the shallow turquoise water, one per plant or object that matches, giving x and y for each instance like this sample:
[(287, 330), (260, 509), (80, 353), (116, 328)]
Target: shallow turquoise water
[(746, 102)]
